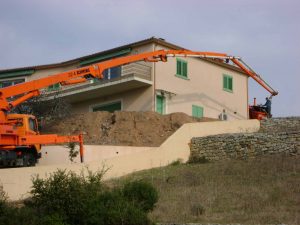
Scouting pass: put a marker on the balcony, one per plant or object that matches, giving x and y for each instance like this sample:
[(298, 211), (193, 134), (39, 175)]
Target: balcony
[(116, 80)]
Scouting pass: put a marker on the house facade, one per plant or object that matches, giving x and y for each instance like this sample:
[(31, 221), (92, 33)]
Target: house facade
[(197, 87)]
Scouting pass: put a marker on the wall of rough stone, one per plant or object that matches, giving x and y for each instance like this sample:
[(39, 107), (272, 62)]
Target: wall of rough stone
[(280, 124), (279, 135)]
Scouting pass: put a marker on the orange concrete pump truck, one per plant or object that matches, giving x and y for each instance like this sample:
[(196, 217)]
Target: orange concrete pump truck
[(20, 140)]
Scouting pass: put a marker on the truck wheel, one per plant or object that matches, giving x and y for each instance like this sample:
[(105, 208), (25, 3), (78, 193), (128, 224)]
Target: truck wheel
[(29, 159), (32, 160)]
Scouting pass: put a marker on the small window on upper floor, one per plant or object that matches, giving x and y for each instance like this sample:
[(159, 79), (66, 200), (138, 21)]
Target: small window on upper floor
[(112, 73), (181, 68), (227, 83)]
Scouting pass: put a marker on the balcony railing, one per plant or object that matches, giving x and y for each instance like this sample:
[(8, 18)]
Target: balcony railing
[(139, 70)]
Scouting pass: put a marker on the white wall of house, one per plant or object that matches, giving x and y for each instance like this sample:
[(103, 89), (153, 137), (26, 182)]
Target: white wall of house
[(135, 100), (203, 87)]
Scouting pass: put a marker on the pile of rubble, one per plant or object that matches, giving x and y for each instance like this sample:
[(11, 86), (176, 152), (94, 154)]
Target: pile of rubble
[(122, 128)]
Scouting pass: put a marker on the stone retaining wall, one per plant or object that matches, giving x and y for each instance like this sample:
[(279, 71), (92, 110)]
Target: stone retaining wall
[(280, 135), (280, 124)]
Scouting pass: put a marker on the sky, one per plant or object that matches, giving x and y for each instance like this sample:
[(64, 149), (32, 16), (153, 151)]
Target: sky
[(265, 33)]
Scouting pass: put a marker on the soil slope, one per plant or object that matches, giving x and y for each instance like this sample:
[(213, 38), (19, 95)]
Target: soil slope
[(122, 128)]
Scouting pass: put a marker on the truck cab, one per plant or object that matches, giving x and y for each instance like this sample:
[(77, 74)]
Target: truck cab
[(23, 155)]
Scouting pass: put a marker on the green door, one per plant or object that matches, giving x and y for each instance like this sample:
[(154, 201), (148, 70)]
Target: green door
[(197, 111), (110, 107), (160, 104)]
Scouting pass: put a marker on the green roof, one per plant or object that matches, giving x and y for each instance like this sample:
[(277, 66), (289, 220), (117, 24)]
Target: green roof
[(18, 73), (105, 57)]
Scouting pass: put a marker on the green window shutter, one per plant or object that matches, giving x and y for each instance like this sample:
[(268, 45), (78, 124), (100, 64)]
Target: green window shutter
[(160, 104), (184, 69), (111, 107), (181, 68), (197, 111), (224, 82), (178, 67), (54, 87), (227, 83), (230, 83), (194, 110)]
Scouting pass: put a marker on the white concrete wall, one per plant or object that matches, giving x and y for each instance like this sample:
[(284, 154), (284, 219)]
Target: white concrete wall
[(17, 181), (59, 154)]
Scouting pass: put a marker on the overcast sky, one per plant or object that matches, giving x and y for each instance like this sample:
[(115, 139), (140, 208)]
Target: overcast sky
[(265, 33)]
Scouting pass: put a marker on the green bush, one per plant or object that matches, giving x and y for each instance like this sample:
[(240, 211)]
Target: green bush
[(176, 162), (196, 159), (65, 198), (142, 194), (53, 219), (197, 209), (66, 194), (3, 205), (7, 214), (24, 216), (72, 151), (111, 208)]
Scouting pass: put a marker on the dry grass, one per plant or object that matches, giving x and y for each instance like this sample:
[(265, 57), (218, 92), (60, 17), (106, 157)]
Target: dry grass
[(264, 190)]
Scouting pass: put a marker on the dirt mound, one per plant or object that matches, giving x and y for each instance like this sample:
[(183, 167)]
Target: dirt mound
[(122, 128)]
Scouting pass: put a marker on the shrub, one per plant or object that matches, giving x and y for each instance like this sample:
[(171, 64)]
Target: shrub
[(141, 193), (196, 159), (2, 200), (111, 208), (65, 198), (66, 194), (4, 208), (7, 215), (10, 215), (72, 151), (197, 209), (53, 219), (176, 162)]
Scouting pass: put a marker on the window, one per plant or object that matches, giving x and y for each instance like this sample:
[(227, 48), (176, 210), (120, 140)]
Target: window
[(54, 87), (160, 104), (197, 111), (109, 107), (7, 83), (181, 68), (32, 124), (112, 73), (227, 83)]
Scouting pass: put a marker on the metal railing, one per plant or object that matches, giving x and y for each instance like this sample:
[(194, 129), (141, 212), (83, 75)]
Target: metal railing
[(133, 69), (139, 69)]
